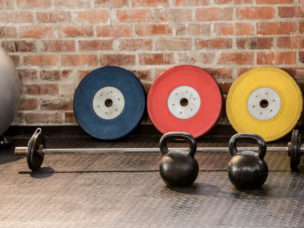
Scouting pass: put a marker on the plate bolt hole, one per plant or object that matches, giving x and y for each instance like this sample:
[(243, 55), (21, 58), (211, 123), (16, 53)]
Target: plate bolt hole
[(264, 103), (108, 103), (184, 102)]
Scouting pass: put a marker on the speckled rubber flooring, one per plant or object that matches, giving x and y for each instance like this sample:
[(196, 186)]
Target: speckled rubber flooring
[(125, 190)]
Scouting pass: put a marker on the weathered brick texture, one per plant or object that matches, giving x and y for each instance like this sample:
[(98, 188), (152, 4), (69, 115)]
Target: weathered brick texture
[(55, 43)]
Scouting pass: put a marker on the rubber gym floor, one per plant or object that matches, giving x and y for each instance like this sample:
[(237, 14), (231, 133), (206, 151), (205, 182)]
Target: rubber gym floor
[(125, 189)]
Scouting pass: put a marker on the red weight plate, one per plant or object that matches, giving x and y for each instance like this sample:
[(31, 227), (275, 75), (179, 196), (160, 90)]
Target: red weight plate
[(184, 98)]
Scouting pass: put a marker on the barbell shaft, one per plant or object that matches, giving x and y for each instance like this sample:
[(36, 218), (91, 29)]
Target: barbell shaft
[(23, 150)]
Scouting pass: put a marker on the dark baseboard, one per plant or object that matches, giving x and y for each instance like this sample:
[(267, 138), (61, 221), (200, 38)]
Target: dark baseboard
[(142, 132)]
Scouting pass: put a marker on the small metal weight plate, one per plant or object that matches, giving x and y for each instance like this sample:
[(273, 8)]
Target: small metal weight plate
[(184, 98), (294, 150), (265, 101), (34, 154)]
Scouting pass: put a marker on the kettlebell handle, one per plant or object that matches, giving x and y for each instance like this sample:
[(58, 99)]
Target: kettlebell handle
[(177, 136), (247, 137)]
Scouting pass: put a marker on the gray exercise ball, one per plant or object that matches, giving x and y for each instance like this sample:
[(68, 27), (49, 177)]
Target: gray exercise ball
[(9, 91)]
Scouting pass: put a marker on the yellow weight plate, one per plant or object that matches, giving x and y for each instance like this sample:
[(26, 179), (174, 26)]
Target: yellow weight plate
[(266, 101)]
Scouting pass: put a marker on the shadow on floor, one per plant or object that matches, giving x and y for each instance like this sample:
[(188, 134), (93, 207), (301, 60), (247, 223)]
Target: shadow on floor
[(46, 172), (7, 155)]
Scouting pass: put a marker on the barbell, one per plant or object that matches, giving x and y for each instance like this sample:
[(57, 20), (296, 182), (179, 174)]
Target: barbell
[(36, 150)]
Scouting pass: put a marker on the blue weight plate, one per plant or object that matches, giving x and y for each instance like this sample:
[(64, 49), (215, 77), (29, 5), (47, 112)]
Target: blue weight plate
[(109, 103)]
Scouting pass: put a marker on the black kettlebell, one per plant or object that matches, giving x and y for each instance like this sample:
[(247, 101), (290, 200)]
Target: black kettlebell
[(247, 169), (177, 168)]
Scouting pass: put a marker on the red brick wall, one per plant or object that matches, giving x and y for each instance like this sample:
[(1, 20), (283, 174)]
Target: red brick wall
[(54, 43)]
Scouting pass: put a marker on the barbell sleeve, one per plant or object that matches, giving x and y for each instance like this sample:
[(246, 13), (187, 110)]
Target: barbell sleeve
[(21, 150)]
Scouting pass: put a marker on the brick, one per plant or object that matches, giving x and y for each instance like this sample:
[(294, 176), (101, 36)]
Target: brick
[(254, 43), (41, 60), (6, 4), (50, 75), (57, 45), (196, 59), (149, 3), (301, 26), (34, 3), (236, 58), (266, 58), (19, 46), (274, 1), (53, 17), (17, 17), (72, 3), (193, 29), (290, 42), (242, 70), (119, 30), (296, 72), (134, 15), (28, 104), (67, 89), (135, 44), (118, 59), (290, 12), (224, 87), (155, 59), (36, 31), (235, 2), (244, 29), (95, 45), (34, 118), (220, 72), (142, 74), (223, 29), (75, 31), (66, 74), (273, 28), (27, 74), (270, 58), (41, 89), (19, 117), (213, 14), (206, 58), (173, 15), (285, 58), (190, 2), (92, 16), (107, 3), (79, 60), (69, 117), (82, 73), (255, 13), (159, 71), (218, 43), (153, 30), (173, 44), (15, 59), (8, 32), (56, 104)]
